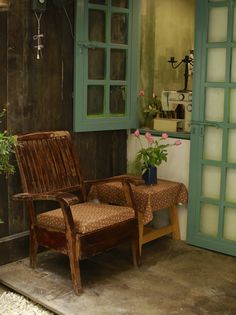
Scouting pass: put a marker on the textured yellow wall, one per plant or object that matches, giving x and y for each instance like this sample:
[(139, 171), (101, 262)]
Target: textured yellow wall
[(167, 29)]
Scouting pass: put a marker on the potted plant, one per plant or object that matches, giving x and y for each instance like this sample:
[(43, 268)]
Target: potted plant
[(152, 155), (152, 107), (7, 147)]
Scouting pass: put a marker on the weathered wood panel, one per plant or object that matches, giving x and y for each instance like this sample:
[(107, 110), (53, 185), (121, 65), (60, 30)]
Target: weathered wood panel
[(40, 97), (3, 125)]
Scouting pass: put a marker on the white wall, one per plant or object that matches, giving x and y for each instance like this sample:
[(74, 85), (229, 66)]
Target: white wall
[(176, 168)]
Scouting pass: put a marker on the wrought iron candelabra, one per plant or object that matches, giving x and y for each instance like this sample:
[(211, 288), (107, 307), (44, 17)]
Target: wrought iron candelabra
[(186, 61)]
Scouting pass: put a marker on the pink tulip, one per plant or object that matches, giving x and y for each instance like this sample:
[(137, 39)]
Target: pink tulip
[(150, 139), (136, 133), (148, 135), (164, 135), (178, 142), (141, 93)]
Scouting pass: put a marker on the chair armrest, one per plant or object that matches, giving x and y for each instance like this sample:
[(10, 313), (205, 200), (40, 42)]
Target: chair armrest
[(67, 198), (125, 180), (136, 180), (64, 199)]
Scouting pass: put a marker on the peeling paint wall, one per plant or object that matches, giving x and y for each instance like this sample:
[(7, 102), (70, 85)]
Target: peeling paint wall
[(167, 29)]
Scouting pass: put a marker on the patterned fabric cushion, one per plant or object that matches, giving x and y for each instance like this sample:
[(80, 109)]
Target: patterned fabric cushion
[(87, 217)]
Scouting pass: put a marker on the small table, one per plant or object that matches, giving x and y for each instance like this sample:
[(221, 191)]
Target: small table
[(166, 194)]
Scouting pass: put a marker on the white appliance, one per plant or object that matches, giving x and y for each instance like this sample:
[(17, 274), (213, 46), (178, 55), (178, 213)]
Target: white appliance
[(175, 100)]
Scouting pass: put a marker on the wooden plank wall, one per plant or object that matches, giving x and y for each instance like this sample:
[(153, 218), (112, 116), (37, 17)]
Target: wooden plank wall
[(39, 94)]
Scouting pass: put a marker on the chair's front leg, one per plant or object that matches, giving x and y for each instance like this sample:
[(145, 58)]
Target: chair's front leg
[(73, 247), (73, 254)]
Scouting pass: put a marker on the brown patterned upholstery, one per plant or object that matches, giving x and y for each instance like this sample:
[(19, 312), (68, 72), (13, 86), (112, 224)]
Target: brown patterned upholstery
[(87, 217)]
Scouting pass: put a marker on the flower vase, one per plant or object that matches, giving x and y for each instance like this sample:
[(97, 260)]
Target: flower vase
[(150, 176)]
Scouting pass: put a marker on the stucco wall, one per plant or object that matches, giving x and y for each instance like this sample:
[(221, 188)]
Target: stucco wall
[(167, 29)]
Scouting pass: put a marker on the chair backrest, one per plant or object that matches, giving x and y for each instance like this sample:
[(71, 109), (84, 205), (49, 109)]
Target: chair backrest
[(47, 163)]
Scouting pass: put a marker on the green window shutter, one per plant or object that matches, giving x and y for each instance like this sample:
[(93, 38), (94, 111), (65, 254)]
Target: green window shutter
[(106, 64)]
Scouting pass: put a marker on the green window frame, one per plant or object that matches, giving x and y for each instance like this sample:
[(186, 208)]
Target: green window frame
[(106, 119)]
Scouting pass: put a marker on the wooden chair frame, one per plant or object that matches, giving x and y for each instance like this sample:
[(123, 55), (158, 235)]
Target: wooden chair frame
[(51, 181)]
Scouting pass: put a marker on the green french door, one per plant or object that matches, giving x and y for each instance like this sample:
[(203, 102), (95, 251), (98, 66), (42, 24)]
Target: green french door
[(212, 199)]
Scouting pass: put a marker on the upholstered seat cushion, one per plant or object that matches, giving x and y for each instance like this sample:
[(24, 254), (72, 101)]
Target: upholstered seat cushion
[(87, 217)]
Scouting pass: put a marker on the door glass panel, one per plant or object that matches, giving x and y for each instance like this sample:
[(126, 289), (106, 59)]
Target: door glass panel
[(233, 67), (211, 181), (232, 146), (117, 99), (209, 217), (229, 224), (118, 64), (213, 143), (214, 104), (232, 117), (234, 25), (230, 193), (120, 3), (119, 28), (95, 100), (97, 25), (96, 64), (216, 64), (217, 32)]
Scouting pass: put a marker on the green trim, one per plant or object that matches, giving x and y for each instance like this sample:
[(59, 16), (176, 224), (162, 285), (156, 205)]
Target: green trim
[(179, 135), (199, 124), (194, 188), (106, 120)]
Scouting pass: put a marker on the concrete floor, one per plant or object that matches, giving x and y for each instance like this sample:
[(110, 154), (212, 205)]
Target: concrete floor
[(174, 279)]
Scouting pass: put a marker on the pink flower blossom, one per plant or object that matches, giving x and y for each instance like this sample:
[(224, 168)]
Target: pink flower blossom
[(178, 142), (141, 93), (164, 135), (148, 135), (137, 133), (150, 139)]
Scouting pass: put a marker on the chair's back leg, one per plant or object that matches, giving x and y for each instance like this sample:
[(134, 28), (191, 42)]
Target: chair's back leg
[(33, 235), (33, 248)]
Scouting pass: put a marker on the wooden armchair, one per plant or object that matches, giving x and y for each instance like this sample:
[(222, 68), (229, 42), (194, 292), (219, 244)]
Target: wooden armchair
[(77, 228)]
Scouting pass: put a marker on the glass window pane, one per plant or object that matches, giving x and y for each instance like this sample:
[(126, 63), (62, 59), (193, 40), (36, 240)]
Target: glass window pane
[(232, 146), (117, 99), (229, 224), (214, 110), (230, 193), (234, 25), (119, 28), (216, 64), (96, 64), (209, 217), (97, 25), (211, 182), (212, 143), (120, 3), (218, 20), (233, 67), (118, 64), (98, 1), (95, 100), (232, 117)]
